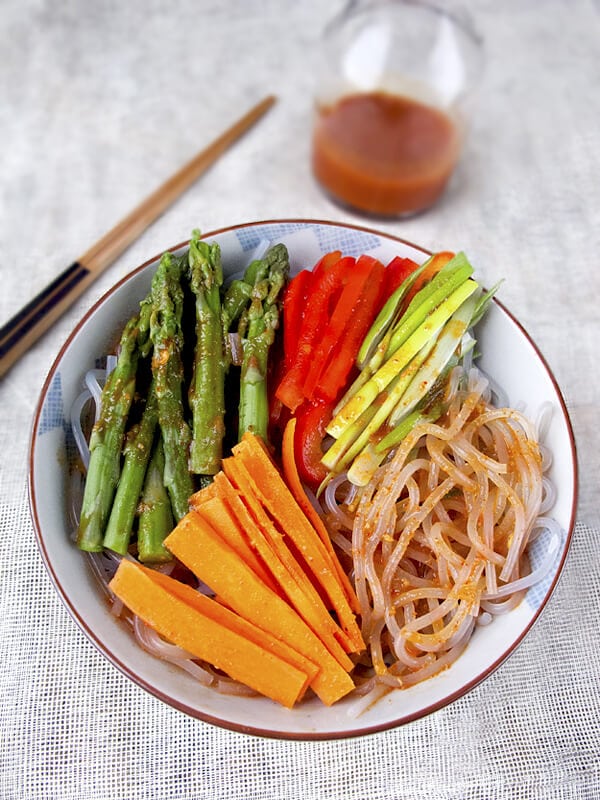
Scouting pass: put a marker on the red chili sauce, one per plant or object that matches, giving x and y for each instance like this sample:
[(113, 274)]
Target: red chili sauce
[(384, 154)]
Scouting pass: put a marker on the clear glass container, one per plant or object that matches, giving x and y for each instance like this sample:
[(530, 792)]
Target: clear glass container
[(392, 105)]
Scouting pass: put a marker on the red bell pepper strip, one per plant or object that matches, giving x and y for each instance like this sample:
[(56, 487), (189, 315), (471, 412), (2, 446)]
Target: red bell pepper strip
[(325, 290), (311, 421), (294, 306), (436, 262), (357, 274), (396, 273), (335, 379), (326, 262)]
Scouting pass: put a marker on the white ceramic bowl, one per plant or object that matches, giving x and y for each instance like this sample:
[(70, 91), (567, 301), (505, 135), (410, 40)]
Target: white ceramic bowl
[(508, 355)]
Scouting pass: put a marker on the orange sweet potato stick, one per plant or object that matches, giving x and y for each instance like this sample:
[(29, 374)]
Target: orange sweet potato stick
[(292, 478), (266, 483), (204, 494), (229, 619), (212, 633), (293, 580), (217, 514), (195, 543)]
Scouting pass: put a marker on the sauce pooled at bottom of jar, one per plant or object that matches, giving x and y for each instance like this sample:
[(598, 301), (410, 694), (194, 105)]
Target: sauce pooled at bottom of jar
[(384, 154)]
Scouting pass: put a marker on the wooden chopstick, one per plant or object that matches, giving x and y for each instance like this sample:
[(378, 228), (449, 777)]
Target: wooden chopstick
[(34, 319)]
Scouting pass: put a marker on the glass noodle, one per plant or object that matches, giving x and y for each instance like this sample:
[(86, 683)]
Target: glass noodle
[(437, 541)]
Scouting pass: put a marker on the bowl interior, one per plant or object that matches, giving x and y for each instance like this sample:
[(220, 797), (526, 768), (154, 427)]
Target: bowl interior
[(508, 355)]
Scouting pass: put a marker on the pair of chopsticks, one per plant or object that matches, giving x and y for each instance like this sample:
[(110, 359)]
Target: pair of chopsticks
[(34, 319)]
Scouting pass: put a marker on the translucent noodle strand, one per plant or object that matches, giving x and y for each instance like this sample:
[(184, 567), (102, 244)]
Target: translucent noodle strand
[(439, 537)]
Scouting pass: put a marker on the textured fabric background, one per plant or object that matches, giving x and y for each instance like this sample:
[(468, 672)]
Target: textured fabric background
[(99, 102)]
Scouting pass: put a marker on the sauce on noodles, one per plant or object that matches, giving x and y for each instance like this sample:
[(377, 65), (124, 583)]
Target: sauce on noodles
[(439, 532)]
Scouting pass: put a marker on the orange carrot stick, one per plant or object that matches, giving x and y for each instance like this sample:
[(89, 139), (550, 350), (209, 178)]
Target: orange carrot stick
[(209, 632)]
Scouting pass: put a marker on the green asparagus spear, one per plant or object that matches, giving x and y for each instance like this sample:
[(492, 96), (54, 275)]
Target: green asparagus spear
[(106, 441), (156, 518), (207, 389), (257, 327), (235, 300), (167, 370), (137, 451)]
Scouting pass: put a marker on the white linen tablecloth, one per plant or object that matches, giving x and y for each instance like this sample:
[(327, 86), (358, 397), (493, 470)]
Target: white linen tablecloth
[(99, 102)]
